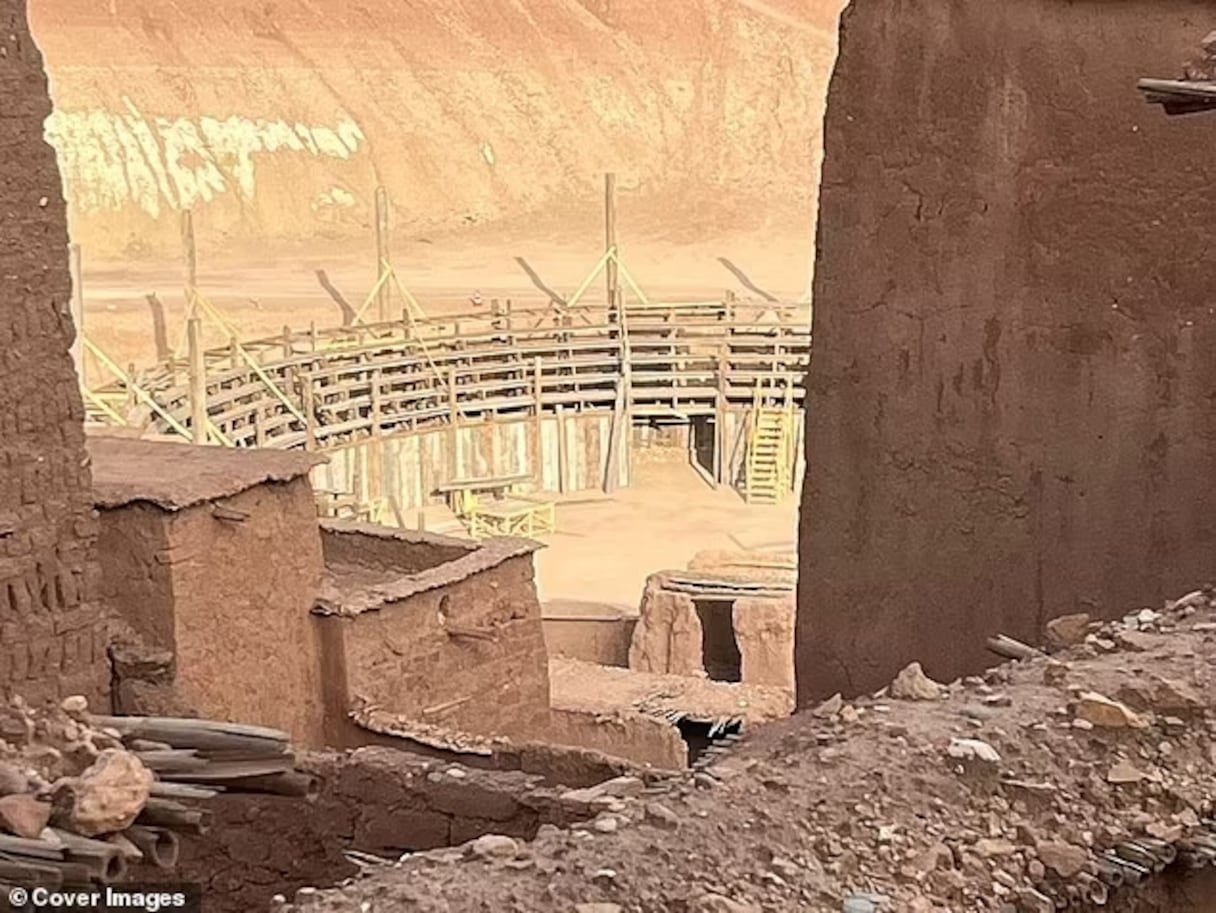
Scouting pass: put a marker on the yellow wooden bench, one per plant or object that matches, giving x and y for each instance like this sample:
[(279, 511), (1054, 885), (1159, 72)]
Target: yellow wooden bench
[(518, 516), (490, 507)]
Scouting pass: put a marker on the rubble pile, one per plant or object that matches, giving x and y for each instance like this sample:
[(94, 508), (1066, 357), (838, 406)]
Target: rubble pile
[(82, 797), (1062, 780)]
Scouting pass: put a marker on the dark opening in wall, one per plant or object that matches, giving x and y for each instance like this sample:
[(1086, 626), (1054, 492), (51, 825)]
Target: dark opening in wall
[(702, 441), (719, 648), (696, 736)]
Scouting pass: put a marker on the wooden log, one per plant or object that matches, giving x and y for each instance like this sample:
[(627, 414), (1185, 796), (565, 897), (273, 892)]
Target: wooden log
[(158, 845), (222, 771), (23, 846), (29, 873), (1010, 648), (171, 759), (288, 783), (198, 380), (105, 862), (163, 790), (174, 816), (129, 850), (189, 733)]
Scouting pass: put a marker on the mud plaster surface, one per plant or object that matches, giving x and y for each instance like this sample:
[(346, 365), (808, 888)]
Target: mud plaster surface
[(52, 637), (422, 652), (1010, 399), (588, 688), (231, 600), (175, 475), (375, 800)]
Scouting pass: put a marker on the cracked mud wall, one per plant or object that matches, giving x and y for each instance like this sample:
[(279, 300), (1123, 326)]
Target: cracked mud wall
[(1010, 411), (52, 635)]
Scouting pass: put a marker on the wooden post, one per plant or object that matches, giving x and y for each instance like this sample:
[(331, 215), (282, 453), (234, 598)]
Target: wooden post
[(309, 410), (160, 331), (198, 380), (288, 347), (721, 462), (259, 427), (77, 311), (562, 456), (191, 252), (234, 353), (382, 254), (454, 427), (610, 269), (375, 453), (538, 429)]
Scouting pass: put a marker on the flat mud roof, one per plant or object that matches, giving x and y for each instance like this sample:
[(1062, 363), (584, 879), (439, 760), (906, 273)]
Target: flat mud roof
[(176, 476)]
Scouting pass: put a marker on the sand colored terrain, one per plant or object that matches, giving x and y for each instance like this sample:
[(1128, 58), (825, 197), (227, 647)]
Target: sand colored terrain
[(276, 121)]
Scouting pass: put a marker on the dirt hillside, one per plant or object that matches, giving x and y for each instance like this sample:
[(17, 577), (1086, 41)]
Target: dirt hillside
[(275, 120)]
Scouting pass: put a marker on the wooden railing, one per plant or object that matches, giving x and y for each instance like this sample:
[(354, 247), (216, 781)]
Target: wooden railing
[(320, 389)]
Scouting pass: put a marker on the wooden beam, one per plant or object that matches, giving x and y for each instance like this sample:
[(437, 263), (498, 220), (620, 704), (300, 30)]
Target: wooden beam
[(382, 254), (611, 280), (198, 380), (538, 431)]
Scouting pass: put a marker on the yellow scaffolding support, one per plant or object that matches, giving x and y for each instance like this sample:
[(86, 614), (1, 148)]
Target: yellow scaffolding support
[(129, 382)]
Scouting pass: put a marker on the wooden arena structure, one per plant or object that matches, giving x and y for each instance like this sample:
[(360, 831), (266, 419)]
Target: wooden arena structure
[(493, 408)]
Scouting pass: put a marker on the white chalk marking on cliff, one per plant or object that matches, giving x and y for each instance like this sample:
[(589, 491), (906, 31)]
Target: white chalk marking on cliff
[(151, 149), (111, 160)]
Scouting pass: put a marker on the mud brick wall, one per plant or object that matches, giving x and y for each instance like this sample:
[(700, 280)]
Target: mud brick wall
[(1010, 410), (376, 800), (421, 653), (230, 600), (52, 636)]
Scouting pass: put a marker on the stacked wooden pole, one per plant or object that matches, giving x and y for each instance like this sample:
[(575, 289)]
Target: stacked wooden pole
[(190, 760)]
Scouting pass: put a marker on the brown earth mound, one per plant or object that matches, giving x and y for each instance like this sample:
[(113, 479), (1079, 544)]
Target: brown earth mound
[(277, 120)]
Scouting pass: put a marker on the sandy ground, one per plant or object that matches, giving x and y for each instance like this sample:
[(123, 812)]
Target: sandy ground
[(604, 549)]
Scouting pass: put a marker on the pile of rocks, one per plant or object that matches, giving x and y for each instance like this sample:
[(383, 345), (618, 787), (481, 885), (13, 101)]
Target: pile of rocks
[(81, 797), (1054, 781)]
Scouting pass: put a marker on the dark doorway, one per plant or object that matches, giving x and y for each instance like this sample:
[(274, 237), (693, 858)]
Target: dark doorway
[(718, 645), (702, 442), (697, 737)]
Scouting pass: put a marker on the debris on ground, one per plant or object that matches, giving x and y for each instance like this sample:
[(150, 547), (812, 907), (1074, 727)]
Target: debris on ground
[(1048, 782), (83, 796)]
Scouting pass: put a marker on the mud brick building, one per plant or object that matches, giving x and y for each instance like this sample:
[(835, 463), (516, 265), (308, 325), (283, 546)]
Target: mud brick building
[(213, 556), (52, 636), (444, 631)]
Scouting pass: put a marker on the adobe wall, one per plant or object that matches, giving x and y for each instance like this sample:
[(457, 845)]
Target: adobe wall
[(595, 639), (137, 573), (230, 600), (375, 800), (405, 659), (244, 639), (669, 637), (52, 635), (1010, 401)]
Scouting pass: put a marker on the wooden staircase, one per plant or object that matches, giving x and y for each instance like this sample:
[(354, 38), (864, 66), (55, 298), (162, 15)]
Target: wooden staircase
[(770, 448)]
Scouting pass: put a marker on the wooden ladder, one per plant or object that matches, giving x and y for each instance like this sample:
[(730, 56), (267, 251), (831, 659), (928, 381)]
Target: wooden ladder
[(770, 448)]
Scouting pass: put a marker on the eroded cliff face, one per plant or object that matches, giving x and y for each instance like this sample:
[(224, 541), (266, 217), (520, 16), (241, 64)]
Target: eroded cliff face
[(1011, 405), (52, 637), (275, 121)]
